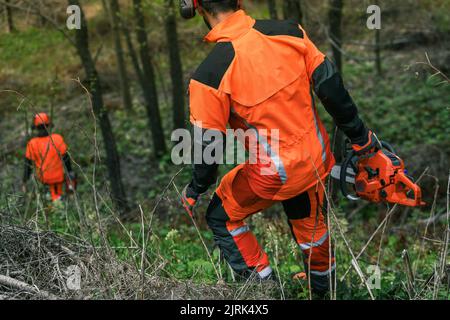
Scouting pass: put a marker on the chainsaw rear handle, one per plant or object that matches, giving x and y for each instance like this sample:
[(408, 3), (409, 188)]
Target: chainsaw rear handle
[(343, 173), (346, 163), (388, 146)]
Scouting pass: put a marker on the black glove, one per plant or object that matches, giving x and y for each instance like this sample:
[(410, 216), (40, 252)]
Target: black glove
[(189, 199), (367, 144), (71, 182)]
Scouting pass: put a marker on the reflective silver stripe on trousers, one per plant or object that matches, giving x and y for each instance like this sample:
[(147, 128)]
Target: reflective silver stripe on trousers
[(240, 230), (306, 246), (264, 273), (319, 134), (324, 273)]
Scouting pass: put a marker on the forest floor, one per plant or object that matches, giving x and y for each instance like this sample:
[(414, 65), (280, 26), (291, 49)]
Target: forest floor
[(156, 253)]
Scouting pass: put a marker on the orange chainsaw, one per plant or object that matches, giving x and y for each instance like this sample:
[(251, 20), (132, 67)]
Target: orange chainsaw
[(378, 177)]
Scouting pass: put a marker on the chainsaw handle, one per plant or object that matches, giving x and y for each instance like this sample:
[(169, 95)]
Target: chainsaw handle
[(343, 173), (388, 147), (346, 163)]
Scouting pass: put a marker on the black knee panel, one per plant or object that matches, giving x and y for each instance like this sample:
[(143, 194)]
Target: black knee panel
[(298, 207)]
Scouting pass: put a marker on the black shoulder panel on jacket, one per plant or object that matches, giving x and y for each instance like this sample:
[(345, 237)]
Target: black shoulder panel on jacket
[(213, 68), (278, 28)]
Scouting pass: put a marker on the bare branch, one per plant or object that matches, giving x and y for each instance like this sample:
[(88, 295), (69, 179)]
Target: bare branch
[(16, 284)]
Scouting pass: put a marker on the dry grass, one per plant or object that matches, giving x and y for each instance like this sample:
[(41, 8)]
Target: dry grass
[(41, 262)]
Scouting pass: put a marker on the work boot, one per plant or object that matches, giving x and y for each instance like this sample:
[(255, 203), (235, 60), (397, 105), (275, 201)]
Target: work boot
[(253, 276)]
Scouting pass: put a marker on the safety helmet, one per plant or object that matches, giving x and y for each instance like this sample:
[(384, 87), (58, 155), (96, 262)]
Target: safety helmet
[(188, 7), (41, 119)]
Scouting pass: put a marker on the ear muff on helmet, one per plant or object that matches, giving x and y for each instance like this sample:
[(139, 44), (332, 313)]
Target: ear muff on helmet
[(187, 8)]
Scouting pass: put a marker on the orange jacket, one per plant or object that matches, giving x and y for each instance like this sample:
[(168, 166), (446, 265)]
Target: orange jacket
[(260, 76), (47, 154)]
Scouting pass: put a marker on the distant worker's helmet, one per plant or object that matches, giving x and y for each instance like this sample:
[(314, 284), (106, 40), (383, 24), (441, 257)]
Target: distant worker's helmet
[(41, 119)]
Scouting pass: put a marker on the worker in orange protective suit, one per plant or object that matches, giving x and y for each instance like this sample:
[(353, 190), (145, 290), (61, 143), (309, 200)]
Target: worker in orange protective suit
[(47, 152), (260, 77)]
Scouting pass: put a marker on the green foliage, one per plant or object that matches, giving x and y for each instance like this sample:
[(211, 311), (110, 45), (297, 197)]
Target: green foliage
[(25, 56), (404, 107)]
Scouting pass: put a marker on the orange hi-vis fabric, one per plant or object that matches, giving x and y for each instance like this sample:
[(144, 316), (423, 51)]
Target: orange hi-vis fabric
[(46, 153), (56, 191), (259, 77), (306, 221)]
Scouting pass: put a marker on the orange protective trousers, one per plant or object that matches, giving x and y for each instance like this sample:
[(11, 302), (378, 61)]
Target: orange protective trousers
[(56, 191), (234, 201)]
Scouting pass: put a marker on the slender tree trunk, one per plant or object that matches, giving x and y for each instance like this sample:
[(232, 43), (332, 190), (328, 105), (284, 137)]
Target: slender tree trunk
[(176, 68), (135, 60), (378, 53), (114, 16), (133, 55), (159, 144), (335, 33), (335, 18), (109, 141), (272, 9), (292, 10), (9, 18), (138, 70), (42, 14)]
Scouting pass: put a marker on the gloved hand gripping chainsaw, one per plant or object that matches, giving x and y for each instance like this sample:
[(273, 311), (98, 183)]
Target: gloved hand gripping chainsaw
[(377, 175)]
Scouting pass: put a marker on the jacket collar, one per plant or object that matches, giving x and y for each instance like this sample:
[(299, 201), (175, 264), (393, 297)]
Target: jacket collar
[(233, 27)]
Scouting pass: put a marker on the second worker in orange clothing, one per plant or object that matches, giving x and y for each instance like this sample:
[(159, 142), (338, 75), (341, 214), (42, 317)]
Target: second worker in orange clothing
[(47, 153)]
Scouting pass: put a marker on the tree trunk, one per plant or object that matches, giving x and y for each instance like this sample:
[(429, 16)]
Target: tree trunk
[(138, 70), (378, 53), (9, 18), (159, 144), (292, 10), (272, 9), (114, 16), (335, 18), (176, 69), (335, 33), (93, 83), (42, 9), (135, 60)]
